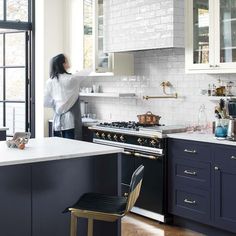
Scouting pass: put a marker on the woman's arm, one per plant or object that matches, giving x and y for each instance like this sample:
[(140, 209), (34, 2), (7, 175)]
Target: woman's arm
[(48, 100)]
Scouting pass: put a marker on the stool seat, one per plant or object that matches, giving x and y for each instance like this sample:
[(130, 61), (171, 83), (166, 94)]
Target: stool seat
[(101, 203)]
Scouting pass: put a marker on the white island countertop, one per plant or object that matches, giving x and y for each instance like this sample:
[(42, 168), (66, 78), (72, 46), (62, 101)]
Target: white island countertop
[(3, 128), (207, 138), (49, 149)]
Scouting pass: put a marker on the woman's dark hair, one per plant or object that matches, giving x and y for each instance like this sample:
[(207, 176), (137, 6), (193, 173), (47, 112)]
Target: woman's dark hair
[(57, 66)]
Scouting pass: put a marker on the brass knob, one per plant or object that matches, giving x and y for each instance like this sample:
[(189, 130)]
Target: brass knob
[(103, 136), (140, 141), (122, 138), (109, 136), (97, 135), (115, 137), (153, 142)]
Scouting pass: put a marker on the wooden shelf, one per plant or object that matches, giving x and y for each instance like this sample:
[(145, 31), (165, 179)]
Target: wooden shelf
[(109, 95)]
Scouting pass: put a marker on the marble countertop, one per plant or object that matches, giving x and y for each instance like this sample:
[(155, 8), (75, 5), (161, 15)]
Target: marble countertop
[(207, 138), (3, 129), (49, 149)]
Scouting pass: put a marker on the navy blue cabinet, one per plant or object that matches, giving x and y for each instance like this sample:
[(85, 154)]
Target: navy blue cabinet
[(189, 180), (2, 135), (224, 187), (15, 204), (201, 182)]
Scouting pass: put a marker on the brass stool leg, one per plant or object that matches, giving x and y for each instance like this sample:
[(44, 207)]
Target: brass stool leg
[(73, 225), (90, 227)]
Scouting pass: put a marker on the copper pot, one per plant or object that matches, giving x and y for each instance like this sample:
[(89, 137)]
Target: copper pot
[(149, 119)]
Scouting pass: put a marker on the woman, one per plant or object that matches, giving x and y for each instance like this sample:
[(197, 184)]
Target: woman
[(62, 94)]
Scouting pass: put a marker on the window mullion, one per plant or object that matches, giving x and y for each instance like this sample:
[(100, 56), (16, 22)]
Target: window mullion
[(4, 80)]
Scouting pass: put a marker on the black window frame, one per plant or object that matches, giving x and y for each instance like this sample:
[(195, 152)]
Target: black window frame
[(29, 29)]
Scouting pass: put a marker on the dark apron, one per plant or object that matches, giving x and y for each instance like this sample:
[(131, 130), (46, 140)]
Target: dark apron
[(75, 109)]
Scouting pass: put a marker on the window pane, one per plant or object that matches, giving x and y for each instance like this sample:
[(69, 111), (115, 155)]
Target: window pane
[(15, 49), (15, 84), (1, 84), (1, 49), (15, 117), (1, 114), (17, 10), (1, 9)]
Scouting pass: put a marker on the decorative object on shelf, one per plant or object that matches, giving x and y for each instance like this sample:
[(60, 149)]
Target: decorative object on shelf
[(19, 140), (164, 84)]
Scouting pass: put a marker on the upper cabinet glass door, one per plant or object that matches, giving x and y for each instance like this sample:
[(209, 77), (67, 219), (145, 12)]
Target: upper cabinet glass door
[(201, 21), (227, 31)]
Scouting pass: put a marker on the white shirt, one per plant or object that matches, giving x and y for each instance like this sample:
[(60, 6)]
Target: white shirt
[(61, 94)]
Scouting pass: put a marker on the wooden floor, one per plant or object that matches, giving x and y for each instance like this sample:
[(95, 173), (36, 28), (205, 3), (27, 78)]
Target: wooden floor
[(134, 225)]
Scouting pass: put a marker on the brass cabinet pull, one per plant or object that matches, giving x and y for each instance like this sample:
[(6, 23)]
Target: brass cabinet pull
[(189, 201), (190, 172), (190, 151), (127, 153), (233, 157), (146, 156)]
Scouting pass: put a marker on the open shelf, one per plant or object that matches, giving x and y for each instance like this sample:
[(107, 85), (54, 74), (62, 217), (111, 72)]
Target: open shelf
[(109, 95)]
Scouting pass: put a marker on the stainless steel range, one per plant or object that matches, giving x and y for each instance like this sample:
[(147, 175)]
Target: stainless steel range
[(142, 145)]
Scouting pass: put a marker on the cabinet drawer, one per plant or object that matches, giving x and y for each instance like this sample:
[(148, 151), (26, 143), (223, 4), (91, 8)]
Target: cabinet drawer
[(189, 149), (192, 204), (191, 173), (225, 156)]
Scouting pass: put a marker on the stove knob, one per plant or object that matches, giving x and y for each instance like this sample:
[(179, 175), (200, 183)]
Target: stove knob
[(109, 136), (115, 137), (97, 134), (122, 138), (153, 142), (103, 136), (140, 141)]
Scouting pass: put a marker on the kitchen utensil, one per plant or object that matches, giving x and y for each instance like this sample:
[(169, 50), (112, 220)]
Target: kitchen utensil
[(148, 119), (231, 108), (231, 134)]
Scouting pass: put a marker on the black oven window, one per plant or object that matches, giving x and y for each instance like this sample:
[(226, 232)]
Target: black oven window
[(16, 65)]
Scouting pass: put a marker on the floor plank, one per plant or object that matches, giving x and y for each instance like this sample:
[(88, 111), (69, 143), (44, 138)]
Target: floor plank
[(134, 225)]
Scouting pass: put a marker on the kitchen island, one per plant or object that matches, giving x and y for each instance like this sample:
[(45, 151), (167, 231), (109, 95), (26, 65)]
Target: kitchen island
[(3, 131), (38, 183)]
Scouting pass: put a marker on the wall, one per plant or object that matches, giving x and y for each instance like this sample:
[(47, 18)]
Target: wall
[(155, 23), (151, 68), (50, 31)]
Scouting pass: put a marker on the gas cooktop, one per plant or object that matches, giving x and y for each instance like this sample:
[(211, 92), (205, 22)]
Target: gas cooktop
[(135, 128), (130, 125)]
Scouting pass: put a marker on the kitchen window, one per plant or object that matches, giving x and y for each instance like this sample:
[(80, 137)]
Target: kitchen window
[(16, 66)]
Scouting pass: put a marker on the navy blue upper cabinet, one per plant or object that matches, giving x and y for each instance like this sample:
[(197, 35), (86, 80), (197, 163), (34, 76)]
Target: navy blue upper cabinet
[(201, 180), (224, 187)]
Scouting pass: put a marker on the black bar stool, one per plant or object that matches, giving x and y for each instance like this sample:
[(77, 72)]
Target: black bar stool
[(96, 206)]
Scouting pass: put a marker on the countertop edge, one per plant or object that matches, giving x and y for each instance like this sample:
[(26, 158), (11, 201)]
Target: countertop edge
[(205, 138)]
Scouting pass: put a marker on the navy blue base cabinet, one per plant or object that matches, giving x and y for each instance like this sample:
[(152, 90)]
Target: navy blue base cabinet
[(2, 135), (201, 184), (33, 196)]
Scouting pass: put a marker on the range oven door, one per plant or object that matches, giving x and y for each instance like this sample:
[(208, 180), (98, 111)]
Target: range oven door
[(153, 188)]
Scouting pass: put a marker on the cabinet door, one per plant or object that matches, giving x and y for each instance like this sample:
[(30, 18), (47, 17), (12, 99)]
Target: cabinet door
[(226, 33), (199, 45), (15, 204), (225, 192)]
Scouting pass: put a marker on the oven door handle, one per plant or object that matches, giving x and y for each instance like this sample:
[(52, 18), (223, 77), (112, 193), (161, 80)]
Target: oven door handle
[(128, 153), (152, 157)]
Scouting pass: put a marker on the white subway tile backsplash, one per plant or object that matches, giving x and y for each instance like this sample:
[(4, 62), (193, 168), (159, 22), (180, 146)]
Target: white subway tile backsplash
[(151, 68)]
